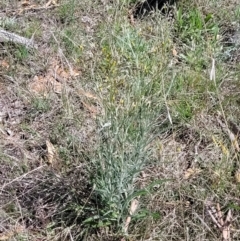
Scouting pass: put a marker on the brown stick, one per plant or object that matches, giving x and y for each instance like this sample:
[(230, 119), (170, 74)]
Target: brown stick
[(6, 36)]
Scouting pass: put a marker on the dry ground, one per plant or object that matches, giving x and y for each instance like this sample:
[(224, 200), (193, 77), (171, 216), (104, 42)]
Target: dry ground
[(111, 119)]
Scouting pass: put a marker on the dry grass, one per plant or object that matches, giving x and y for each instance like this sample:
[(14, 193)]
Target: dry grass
[(111, 110)]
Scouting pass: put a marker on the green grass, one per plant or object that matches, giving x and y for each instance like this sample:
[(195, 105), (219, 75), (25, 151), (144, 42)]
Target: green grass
[(154, 100)]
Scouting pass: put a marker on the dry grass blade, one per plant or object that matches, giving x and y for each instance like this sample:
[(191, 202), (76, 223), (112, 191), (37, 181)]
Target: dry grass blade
[(213, 214), (191, 172), (212, 72), (231, 134), (51, 2), (237, 176), (51, 152), (234, 140), (226, 227), (217, 217), (132, 210)]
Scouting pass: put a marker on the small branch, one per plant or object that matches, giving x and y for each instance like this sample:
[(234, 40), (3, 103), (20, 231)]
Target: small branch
[(6, 36)]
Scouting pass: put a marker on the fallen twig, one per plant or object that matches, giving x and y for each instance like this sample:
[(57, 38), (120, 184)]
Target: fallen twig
[(6, 36)]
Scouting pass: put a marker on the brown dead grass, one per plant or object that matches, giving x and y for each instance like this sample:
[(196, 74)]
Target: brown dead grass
[(39, 101)]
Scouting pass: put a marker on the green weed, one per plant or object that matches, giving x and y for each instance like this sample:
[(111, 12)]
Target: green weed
[(66, 12), (41, 105), (21, 53), (72, 48)]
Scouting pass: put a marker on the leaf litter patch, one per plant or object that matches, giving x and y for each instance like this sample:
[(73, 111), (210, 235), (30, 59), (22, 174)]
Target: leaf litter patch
[(54, 79), (25, 6)]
